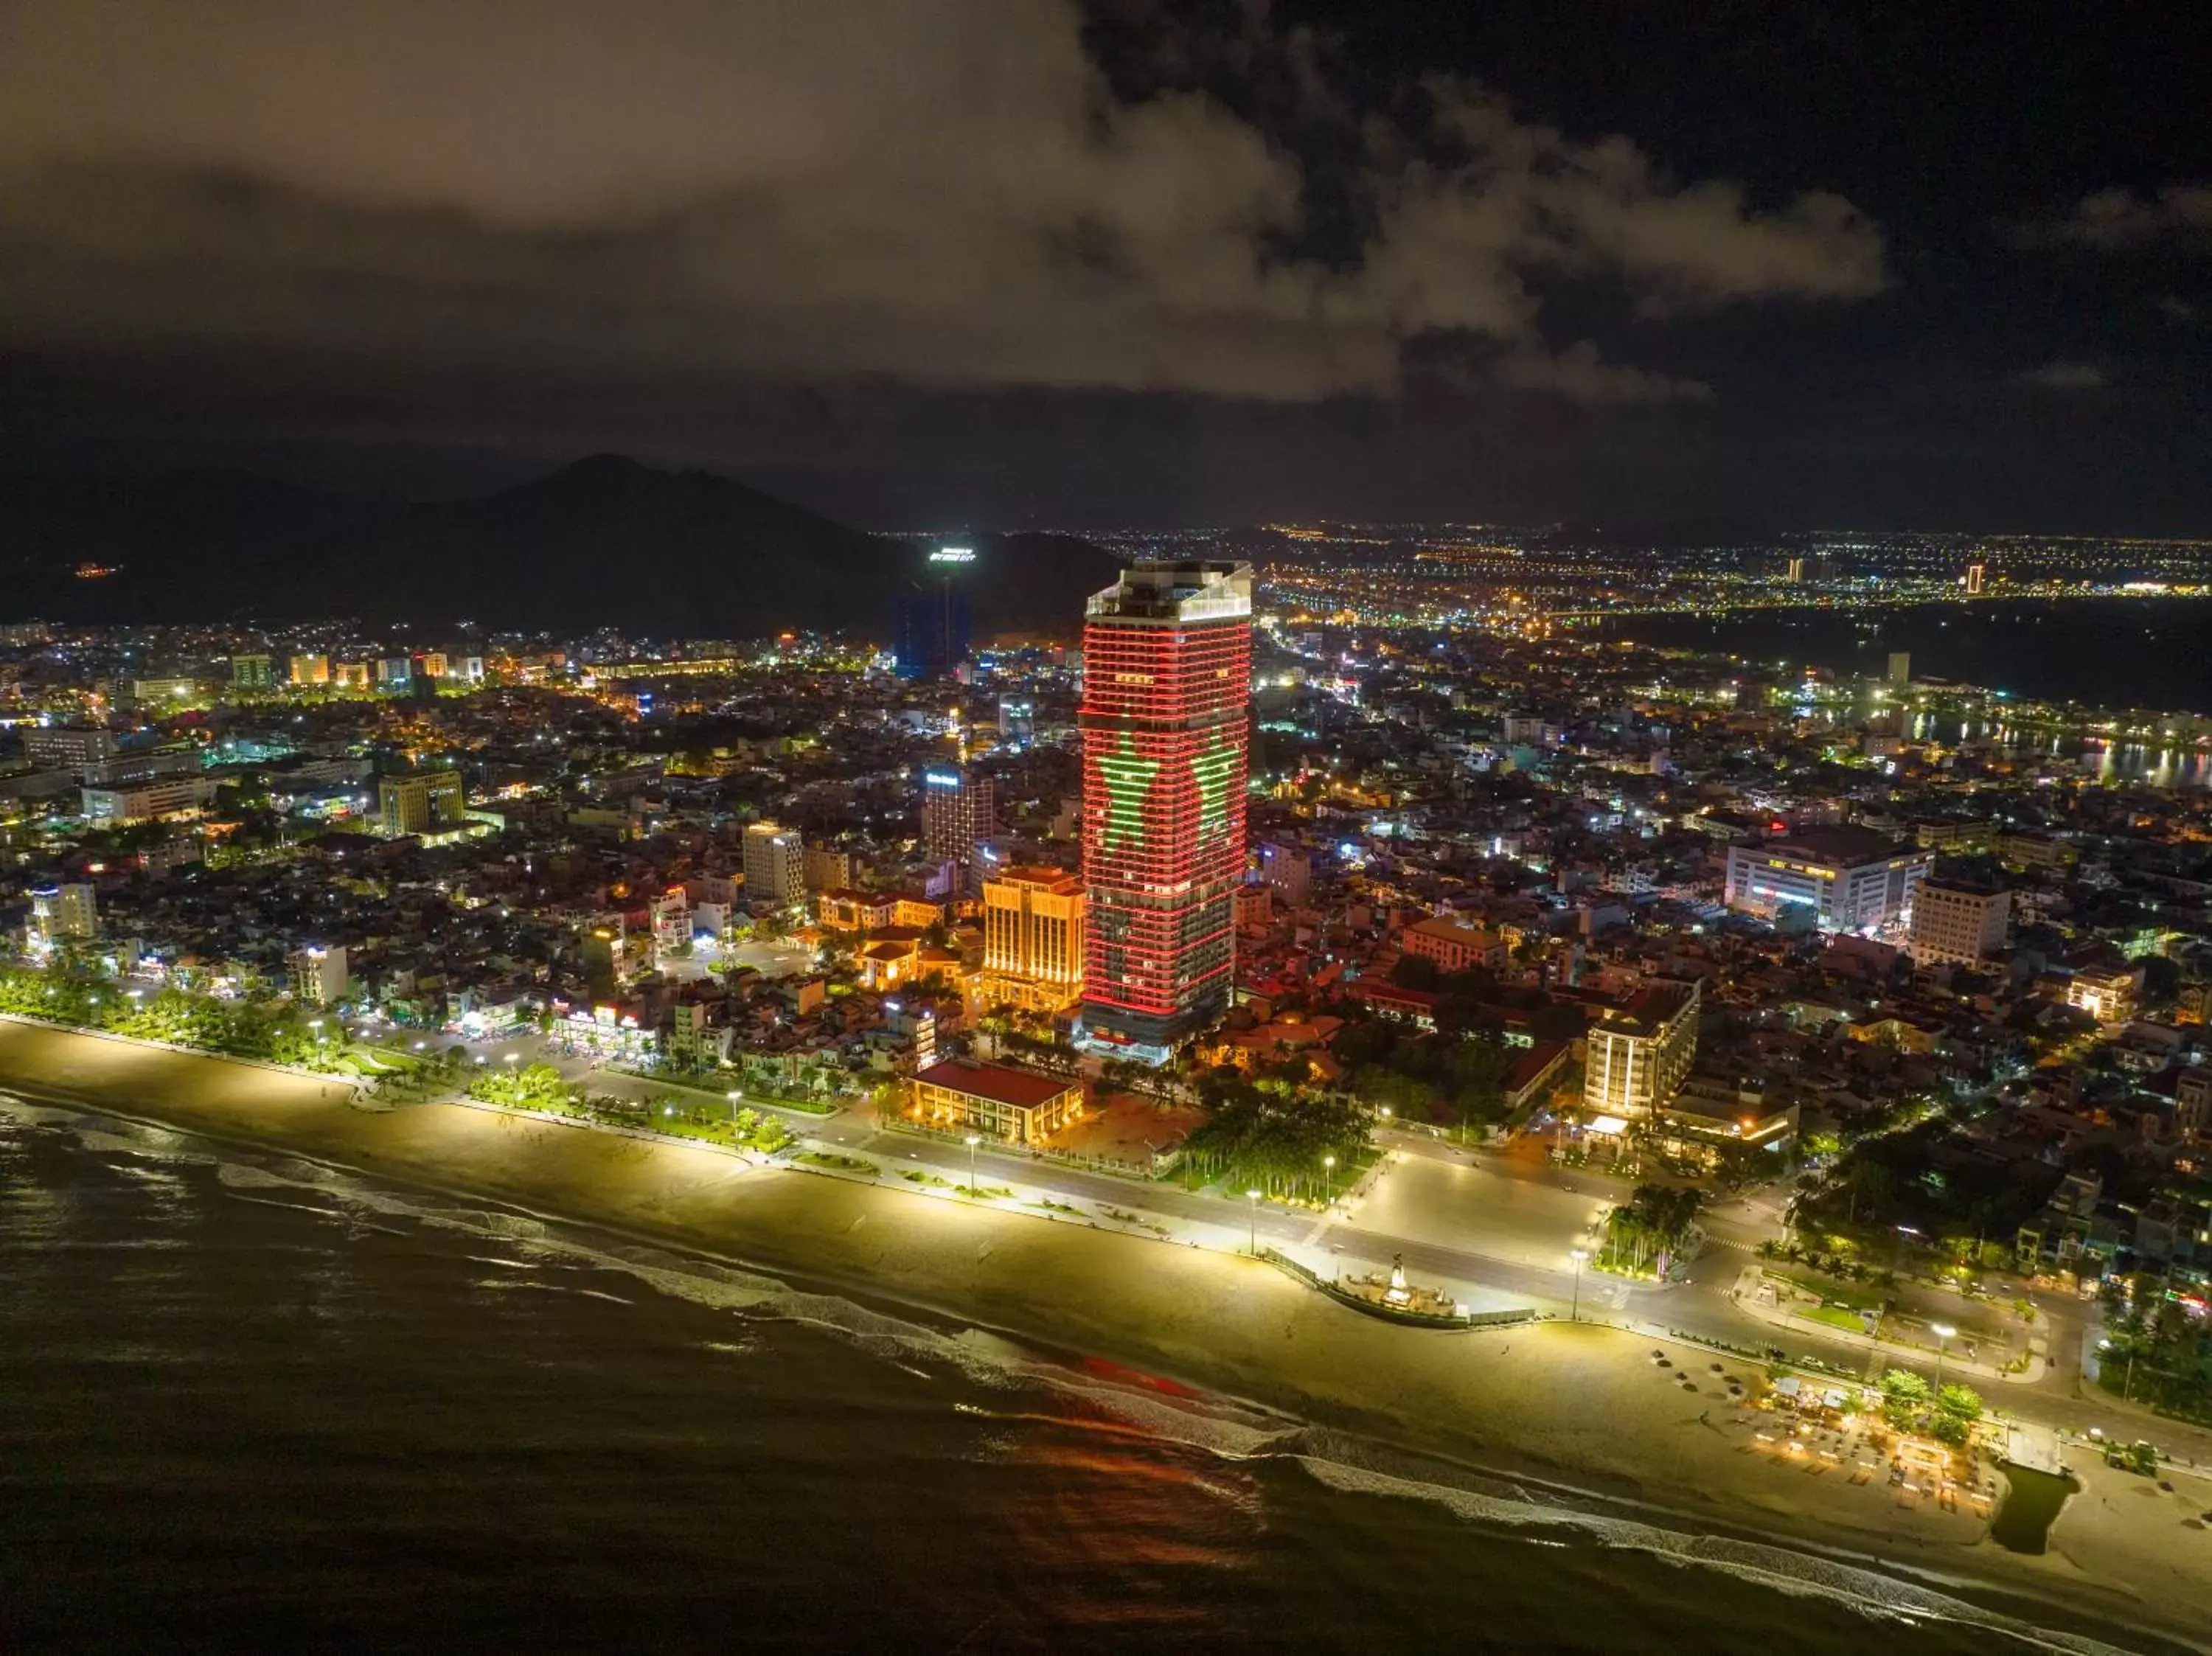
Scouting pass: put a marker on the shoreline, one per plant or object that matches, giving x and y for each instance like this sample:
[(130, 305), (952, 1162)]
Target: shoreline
[(1579, 1413)]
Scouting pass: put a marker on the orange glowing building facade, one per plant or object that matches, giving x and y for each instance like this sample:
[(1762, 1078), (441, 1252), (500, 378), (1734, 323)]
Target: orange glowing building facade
[(1167, 680)]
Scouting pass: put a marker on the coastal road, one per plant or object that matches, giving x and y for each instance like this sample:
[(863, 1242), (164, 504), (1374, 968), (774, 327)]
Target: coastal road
[(1454, 1225)]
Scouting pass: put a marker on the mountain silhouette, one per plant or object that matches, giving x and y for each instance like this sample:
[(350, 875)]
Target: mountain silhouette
[(604, 541)]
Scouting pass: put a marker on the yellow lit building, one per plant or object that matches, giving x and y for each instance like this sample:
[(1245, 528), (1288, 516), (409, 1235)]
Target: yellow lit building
[(994, 1101), (1033, 938)]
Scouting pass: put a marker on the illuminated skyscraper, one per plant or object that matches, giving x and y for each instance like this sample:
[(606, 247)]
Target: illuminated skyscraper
[(1977, 576), (1167, 683)]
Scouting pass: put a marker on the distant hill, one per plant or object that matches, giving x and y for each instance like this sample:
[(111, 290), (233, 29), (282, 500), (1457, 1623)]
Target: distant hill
[(604, 541)]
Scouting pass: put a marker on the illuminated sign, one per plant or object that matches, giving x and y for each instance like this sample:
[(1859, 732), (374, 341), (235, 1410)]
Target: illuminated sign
[(941, 779), (953, 555)]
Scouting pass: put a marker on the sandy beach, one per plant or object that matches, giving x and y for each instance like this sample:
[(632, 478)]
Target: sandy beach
[(1582, 1407)]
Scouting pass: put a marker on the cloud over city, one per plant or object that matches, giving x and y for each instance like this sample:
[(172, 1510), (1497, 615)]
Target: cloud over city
[(945, 195)]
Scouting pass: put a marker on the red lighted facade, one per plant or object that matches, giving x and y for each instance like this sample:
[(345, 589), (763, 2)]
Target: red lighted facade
[(1167, 676)]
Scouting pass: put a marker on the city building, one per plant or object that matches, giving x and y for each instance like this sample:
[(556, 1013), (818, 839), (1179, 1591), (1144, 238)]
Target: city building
[(1532, 731), (421, 802), (311, 670), (996, 1101), (1167, 655), (1016, 721), (1638, 1051), (1455, 944), (163, 689), (59, 913), (1033, 939), (128, 766), (141, 802), (252, 673), (318, 975), (930, 622), (776, 865), (847, 910), (1900, 667), (72, 747), (1977, 576), (2106, 990), (828, 870), (1287, 869), (1844, 879), (959, 810), (1956, 922)]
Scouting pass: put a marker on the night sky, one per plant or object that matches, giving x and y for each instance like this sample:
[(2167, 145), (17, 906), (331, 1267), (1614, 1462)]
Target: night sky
[(924, 263)]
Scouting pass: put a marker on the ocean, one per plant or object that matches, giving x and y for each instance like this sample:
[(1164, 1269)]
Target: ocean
[(248, 1401), (2123, 653)]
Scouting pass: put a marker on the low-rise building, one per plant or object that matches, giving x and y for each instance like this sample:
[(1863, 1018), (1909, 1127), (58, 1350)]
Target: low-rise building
[(1844, 879), (143, 802), (996, 1101), (1455, 944)]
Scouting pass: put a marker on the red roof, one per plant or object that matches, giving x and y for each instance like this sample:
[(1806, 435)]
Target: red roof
[(1001, 1083)]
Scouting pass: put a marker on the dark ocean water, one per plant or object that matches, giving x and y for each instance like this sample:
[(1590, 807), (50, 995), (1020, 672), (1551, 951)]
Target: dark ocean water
[(246, 1402), (2127, 652)]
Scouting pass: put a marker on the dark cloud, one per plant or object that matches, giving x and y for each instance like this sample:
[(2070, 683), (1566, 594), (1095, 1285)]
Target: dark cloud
[(2113, 220), (948, 194), (2066, 376)]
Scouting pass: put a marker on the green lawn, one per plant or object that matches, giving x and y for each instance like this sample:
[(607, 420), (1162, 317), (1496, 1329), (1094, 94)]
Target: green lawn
[(1836, 1316)]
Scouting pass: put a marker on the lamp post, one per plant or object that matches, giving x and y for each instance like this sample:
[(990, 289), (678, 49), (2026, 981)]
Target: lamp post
[(974, 1139), (1574, 1306), (1251, 1242), (736, 1093), (1943, 1332), (1329, 1177)]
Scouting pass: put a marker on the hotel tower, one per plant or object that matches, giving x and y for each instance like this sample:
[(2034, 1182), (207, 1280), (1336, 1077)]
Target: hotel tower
[(1167, 684)]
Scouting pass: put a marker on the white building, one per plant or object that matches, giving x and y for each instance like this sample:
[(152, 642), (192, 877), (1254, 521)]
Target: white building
[(1958, 923), (141, 802), (318, 975), (1846, 879), (62, 911), (775, 866)]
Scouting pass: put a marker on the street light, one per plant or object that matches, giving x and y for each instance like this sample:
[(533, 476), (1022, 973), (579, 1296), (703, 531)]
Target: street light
[(1251, 1242), (1943, 1332), (1328, 1172), (974, 1139), (736, 1093), (1574, 1306)]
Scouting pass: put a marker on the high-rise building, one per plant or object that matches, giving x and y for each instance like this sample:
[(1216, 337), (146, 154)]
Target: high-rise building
[(1951, 921), (1900, 667), (62, 911), (424, 802), (1032, 939), (1638, 1051), (1017, 720), (1796, 570), (251, 673), (311, 670), (1167, 689), (959, 810), (1977, 577), (776, 865), (318, 974), (932, 620)]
